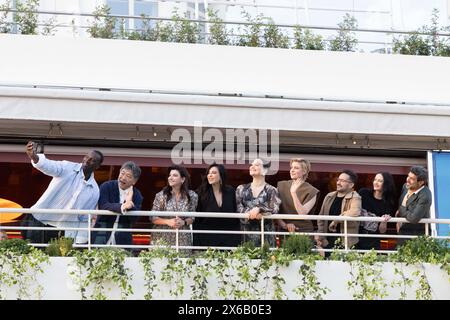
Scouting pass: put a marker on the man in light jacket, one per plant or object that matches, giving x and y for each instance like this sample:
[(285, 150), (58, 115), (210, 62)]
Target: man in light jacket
[(73, 187), (342, 202)]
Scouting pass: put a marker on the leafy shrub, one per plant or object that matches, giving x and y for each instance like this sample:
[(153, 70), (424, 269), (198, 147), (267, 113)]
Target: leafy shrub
[(17, 246), (424, 249), (59, 247), (298, 245)]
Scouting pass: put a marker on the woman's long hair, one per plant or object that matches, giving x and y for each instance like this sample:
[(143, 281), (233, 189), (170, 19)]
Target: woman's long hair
[(205, 188), (184, 189), (389, 191)]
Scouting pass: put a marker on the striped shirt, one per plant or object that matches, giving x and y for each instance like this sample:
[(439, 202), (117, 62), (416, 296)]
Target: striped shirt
[(67, 190)]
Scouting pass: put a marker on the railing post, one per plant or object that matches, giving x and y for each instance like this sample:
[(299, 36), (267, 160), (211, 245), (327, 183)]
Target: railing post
[(89, 231), (427, 232), (176, 239), (345, 236), (262, 231)]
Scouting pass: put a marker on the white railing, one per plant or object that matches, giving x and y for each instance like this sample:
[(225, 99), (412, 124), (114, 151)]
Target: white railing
[(91, 213), (380, 38)]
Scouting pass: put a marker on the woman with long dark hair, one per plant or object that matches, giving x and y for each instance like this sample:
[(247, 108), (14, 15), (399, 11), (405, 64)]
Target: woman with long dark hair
[(216, 196), (175, 196), (381, 200)]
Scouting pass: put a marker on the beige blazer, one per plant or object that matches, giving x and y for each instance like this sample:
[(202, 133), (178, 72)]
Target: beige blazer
[(304, 193), (351, 206)]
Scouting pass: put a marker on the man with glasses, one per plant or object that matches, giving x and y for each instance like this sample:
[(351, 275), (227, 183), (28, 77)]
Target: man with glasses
[(342, 202)]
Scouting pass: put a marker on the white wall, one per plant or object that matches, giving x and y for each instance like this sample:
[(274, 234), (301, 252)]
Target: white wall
[(334, 275), (210, 69)]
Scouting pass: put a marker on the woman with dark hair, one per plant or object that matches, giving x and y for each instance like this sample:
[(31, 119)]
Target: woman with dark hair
[(216, 196), (176, 196), (381, 200), (257, 199)]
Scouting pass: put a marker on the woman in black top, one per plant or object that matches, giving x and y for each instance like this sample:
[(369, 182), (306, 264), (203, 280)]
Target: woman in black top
[(381, 201), (216, 196)]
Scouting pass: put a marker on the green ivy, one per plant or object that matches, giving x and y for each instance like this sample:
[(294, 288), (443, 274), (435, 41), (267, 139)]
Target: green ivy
[(97, 268), (417, 251), (200, 268), (19, 267), (404, 282), (147, 258), (174, 272), (309, 284), (246, 273), (366, 276), (223, 270)]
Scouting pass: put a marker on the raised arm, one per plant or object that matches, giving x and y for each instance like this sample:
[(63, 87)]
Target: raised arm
[(31, 151), (303, 208)]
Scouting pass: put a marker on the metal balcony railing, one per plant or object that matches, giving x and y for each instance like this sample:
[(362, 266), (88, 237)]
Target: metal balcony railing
[(385, 44), (91, 213)]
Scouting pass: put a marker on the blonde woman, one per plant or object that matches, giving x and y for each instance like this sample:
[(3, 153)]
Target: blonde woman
[(298, 197)]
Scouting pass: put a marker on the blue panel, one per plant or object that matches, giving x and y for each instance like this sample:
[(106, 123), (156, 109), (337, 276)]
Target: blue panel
[(441, 166)]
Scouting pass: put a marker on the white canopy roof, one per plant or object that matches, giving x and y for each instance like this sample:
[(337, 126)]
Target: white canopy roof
[(296, 91)]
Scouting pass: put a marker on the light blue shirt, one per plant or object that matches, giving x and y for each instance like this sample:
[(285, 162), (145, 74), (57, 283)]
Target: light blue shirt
[(67, 190)]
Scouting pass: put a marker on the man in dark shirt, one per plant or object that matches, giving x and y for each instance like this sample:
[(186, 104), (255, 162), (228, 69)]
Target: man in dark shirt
[(342, 202)]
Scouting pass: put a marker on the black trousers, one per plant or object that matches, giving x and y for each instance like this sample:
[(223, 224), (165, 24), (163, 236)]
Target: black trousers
[(368, 243), (411, 230), (38, 236)]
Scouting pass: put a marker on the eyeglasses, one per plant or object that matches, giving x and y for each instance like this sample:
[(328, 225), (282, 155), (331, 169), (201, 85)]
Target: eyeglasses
[(343, 180)]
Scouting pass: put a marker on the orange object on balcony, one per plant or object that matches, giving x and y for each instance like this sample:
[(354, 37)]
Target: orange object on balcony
[(388, 244), (141, 239), (9, 217)]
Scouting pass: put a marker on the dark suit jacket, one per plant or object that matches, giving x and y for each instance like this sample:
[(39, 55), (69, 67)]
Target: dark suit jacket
[(110, 200), (417, 207)]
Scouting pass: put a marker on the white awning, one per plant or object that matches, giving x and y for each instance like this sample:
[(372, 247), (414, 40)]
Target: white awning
[(307, 95)]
